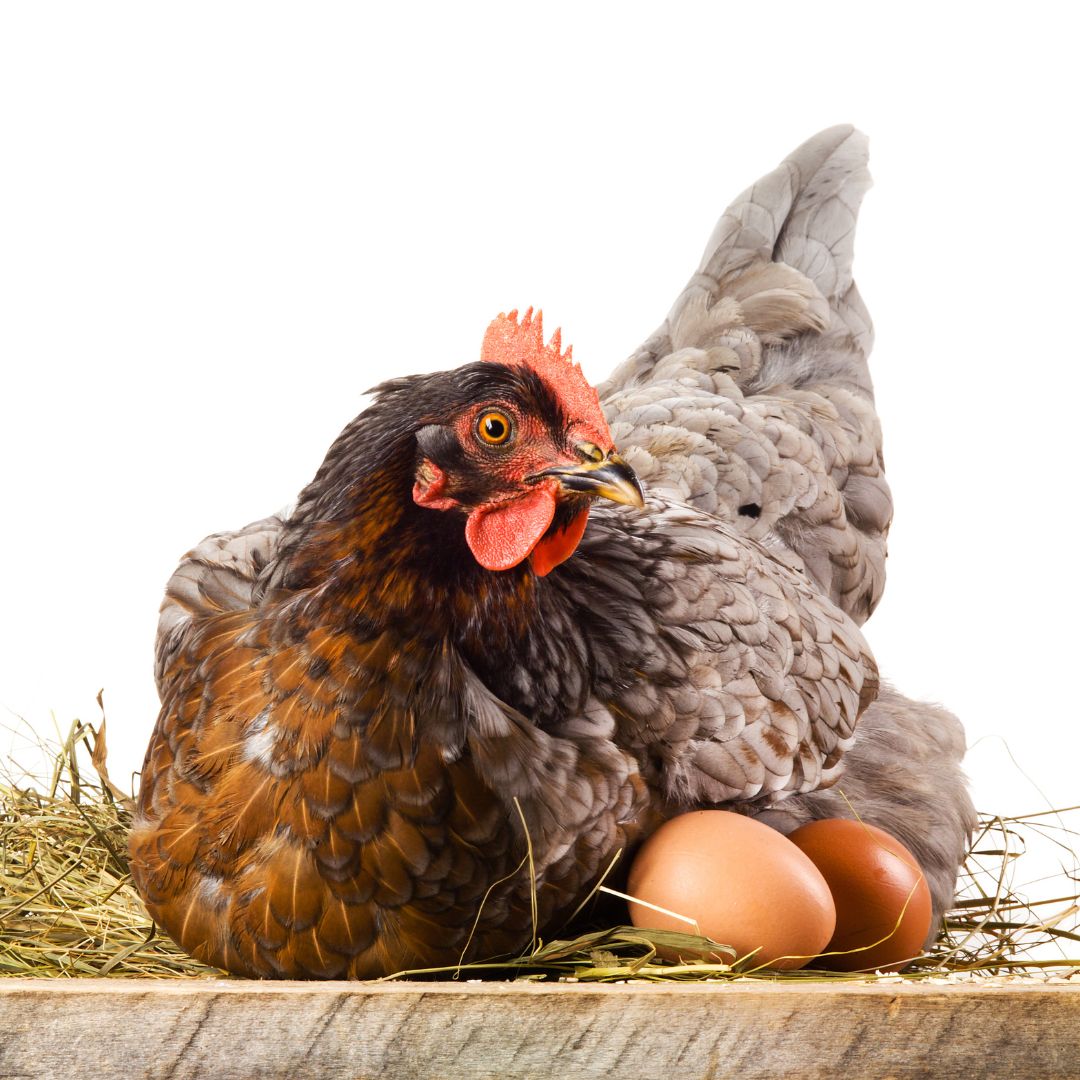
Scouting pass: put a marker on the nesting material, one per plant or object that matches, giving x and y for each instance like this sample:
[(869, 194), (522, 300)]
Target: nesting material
[(67, 905), (68, 908)]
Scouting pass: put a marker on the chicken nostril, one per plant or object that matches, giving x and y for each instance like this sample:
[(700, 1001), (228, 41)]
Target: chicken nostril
[(751, 510), (590, 451)]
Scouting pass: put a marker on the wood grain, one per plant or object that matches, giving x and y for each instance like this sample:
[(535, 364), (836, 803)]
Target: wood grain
[(232, 1029)]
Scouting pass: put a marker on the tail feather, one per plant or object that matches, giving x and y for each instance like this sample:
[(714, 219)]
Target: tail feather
[(753, 399), (791, 235)]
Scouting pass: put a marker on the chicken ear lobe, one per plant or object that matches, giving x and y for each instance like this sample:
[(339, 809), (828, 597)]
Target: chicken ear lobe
[(503, 535)]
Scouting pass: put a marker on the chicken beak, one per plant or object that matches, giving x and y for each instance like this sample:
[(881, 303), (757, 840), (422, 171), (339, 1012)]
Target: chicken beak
[(603, 475)]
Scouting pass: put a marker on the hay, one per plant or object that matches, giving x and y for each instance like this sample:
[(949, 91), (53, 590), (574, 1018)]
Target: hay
[(67, 904), (68, 907)]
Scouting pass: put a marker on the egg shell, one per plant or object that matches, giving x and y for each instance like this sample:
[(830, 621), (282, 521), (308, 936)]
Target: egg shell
[(744, 883), (872, 876)]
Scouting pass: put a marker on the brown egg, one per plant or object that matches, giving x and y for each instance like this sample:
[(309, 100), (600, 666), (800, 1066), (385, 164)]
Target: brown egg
[(879, 892), (744, 883)]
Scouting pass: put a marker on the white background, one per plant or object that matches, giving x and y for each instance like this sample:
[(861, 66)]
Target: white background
[(221, 223)]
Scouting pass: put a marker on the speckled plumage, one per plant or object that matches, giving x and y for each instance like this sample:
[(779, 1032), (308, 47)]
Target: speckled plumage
[(359, 722), (753, 399)]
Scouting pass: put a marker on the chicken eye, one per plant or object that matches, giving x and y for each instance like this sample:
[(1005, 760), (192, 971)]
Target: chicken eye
[(493, 428)]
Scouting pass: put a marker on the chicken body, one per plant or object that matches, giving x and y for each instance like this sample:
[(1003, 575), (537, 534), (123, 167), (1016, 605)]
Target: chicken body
[(362, 725)]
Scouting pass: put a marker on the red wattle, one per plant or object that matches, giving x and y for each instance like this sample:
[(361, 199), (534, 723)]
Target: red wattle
[(559, 546), (501, 536)]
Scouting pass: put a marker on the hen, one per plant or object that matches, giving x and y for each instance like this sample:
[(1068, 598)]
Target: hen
[(485, 639)]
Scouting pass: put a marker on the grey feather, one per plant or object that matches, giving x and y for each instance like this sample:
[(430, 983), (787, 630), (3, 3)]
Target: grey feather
[(753, 400), (903, 775), (706, 651), (217, 575)]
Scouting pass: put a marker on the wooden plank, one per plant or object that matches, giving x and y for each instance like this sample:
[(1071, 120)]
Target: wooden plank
[(233, 1029)]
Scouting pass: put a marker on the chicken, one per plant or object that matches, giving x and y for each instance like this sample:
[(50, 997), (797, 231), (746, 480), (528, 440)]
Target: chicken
[(512, 625)]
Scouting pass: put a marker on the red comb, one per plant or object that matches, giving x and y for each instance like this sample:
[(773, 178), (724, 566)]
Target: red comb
[(508, 341), (521, 344)]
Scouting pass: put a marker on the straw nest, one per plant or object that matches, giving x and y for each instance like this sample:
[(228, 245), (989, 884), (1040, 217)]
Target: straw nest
[(68, 908)]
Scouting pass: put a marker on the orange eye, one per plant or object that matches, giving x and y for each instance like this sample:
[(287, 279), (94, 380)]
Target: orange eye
[(493, 427)]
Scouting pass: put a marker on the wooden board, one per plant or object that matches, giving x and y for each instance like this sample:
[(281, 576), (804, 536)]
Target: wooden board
[(229, 1029)]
